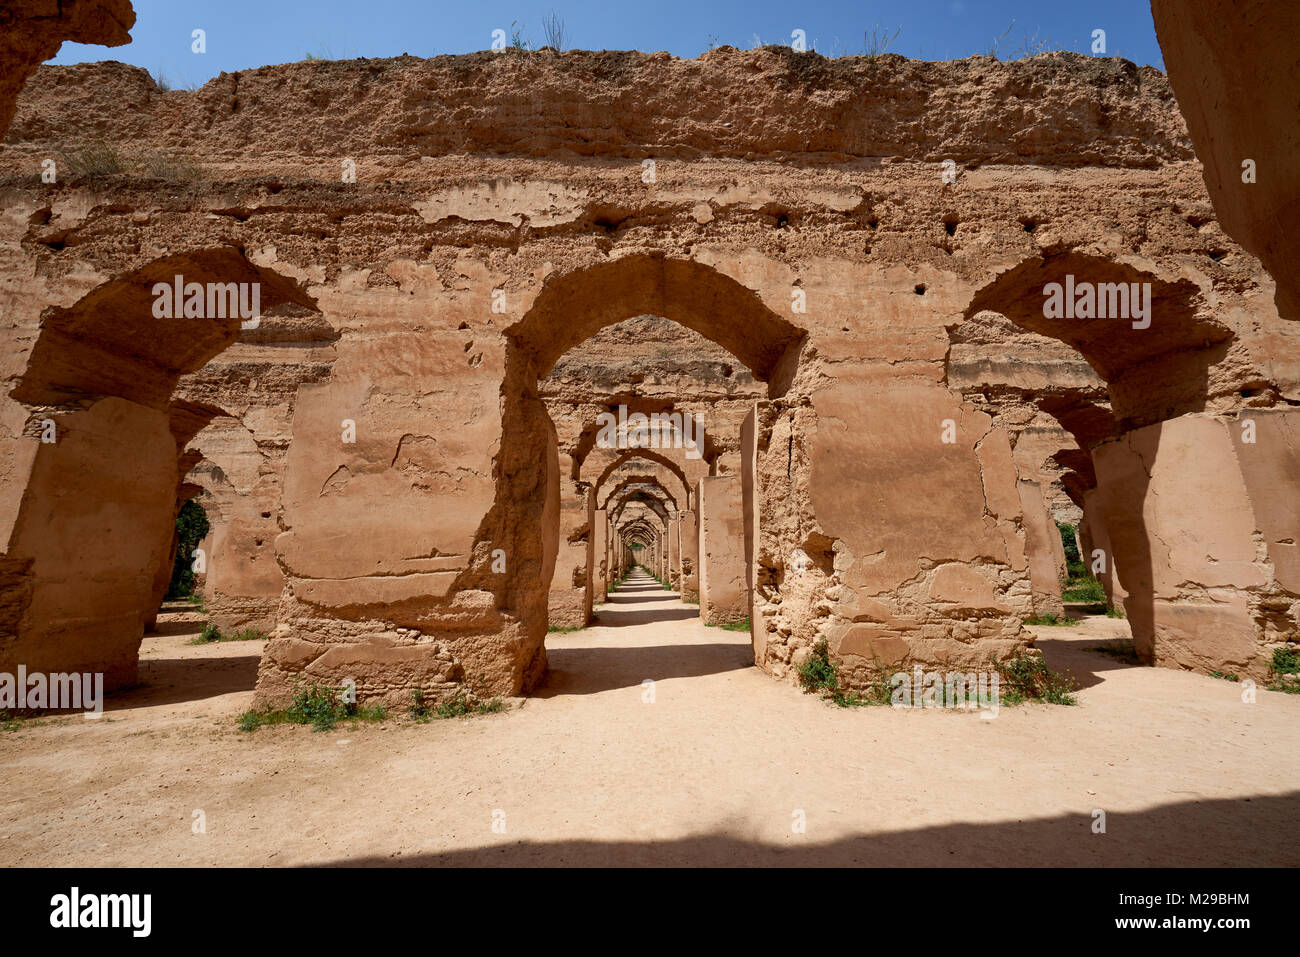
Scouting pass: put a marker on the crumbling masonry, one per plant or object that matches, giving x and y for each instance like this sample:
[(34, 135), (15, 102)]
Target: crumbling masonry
[(463, 262)]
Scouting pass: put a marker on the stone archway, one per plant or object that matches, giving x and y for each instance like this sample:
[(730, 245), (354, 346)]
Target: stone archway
[(104, 458), (569, 309), (649, 455), (1174, 488), (641, 468), (632, 504)]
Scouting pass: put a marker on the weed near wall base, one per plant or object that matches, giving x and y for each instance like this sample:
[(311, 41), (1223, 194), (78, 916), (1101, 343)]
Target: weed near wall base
[(1020, 678), (323, 708), (1284, 671), (819, 674), (1051, 620), (211, 633), (462, 704), (318, 706), (1027, 677), (742, 625), (459, 704)]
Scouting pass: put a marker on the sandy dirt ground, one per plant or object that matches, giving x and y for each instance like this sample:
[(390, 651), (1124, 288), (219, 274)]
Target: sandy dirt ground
[(720, 767)]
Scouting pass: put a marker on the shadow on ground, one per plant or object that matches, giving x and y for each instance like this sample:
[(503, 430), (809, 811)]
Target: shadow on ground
[(173, 680), (1074, 656), (641, 615), (166, 629), (1219, 833), (607, 667)]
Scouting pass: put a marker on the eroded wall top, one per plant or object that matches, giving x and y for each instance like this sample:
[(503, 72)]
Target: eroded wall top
[(1057, 109)]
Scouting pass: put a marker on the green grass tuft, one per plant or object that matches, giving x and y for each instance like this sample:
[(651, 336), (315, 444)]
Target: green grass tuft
[(462, 704), (317, 706), (1083, 589), (1051, 620), (1025, 677), (1285, 671), (742, 625), (211, 633), (819, 674), (1021, 678)]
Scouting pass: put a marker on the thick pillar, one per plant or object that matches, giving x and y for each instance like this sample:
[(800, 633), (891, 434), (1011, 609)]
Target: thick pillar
[(723, 595), (751, 526), (569, 599), (1202, 514), (75, 587), (1044, 552), (688, 527), (674, 576), (600, 554), (1095, 549)]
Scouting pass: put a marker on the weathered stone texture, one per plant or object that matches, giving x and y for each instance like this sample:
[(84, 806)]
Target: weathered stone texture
[(413, 418)]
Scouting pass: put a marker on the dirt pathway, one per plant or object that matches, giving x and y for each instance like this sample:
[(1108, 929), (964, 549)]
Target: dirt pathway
[(716, 766)]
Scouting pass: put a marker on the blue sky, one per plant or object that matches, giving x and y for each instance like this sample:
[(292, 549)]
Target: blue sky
[(250, 33)]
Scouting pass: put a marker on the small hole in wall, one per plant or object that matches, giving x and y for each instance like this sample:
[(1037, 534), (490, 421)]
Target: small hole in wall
[(920, 289), (266, 514), (950, 227), (1029, 224), (463, 325), (259, 542), (1218, 255), (873, 222)]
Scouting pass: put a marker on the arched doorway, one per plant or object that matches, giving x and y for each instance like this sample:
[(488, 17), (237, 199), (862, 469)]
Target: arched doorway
[(105, 455), (568, 310)]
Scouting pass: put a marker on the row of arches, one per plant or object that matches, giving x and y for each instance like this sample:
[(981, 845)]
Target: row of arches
[(822, 537)]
